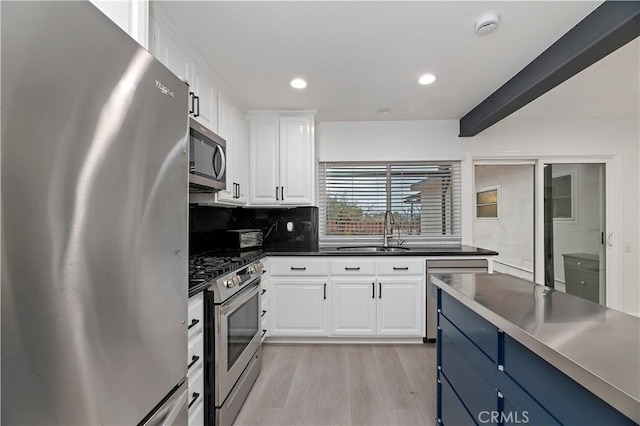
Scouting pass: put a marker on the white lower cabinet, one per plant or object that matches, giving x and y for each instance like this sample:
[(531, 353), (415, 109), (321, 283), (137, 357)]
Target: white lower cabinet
[(195, 360), (353, 306), (299, 307), (400, 306)]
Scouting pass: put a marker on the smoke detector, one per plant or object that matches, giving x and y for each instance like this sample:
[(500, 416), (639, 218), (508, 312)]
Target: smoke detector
[(487, 23)]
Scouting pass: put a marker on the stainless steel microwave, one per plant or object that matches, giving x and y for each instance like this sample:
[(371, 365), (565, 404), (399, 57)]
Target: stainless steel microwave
[(207, 159)]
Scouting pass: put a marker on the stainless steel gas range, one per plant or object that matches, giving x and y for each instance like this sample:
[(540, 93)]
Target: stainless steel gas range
[(232, 329)]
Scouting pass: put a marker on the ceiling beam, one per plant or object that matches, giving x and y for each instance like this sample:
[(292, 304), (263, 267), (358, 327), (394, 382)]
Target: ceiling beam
[(609, 27)]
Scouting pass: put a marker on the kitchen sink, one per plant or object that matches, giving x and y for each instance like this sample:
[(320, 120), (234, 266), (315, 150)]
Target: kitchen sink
[(372, 249)]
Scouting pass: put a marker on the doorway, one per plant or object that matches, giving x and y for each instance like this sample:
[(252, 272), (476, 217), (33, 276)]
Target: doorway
[(575, 229)]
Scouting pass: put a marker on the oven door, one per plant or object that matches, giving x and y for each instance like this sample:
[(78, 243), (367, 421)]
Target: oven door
[(237, 338)]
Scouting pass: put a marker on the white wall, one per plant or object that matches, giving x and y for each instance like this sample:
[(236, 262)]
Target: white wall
[(516, 137), (511, 234)]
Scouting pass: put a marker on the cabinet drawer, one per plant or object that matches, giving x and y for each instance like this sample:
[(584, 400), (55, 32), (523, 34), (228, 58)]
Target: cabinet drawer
[(590, 263), (401, 265), (299, 266), (195, 354), (195, 317), (480, 331), (452, 410), (353, 266), (196, 391)]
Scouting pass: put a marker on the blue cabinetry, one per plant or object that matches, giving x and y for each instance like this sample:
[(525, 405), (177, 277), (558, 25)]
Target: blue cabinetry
[(487, 377)]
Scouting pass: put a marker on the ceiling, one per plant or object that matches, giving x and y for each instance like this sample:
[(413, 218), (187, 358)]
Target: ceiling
[(362, 55)]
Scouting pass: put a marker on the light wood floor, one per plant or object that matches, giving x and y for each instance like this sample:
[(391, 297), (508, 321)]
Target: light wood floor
[(343, 385)]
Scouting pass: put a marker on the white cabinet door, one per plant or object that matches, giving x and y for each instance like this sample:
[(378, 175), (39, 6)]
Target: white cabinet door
[(241, 158), (226, 130), (401, 304), (169, 51), (296, 160), (299, 307), (264, 160), (353, 306), (206, 104)]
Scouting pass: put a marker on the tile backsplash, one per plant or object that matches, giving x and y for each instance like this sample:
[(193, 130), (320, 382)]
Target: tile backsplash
[(294, 229)]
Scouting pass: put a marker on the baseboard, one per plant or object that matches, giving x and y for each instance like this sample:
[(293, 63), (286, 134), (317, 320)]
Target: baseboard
[(345, 340)]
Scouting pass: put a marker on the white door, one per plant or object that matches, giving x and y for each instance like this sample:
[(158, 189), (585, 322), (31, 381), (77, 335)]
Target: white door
[(264, 160), (400, 306), (171, 53), (353, 306), (241, 158), (299, 307), (296, 160)]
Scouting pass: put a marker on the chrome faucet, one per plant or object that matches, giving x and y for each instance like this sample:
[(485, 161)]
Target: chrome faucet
[(388, 232)]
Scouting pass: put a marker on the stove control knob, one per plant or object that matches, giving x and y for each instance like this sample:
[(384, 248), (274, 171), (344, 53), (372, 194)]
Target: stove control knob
[(252, 269), (237, 280), (230, 283)]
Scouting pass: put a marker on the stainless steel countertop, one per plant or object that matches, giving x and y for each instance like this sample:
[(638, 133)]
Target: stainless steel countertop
[(596, 346)]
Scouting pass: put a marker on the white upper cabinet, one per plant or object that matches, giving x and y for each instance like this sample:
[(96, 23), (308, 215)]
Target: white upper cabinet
[(231, 123), (130, 15), (264, 160), (204, 100), (282, 159), (167, 47)]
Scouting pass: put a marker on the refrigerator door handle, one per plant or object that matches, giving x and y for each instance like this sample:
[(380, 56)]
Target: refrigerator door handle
[(177, 409), (174, 411)]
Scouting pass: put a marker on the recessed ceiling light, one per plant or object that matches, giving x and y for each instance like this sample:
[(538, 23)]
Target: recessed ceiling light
[(298, 83), (427, 79), (383, 110)]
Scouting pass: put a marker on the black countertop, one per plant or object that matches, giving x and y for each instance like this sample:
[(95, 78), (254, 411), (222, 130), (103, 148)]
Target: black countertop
[(412, 251)]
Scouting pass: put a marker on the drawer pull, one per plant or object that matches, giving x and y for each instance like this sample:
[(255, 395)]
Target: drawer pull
[(194, 359), (397, 268), (379, 290), (357, 268), (193, 323), (263, 333), (373, 290), (264, 290), (304, 268), (263, 312), (195, 396)]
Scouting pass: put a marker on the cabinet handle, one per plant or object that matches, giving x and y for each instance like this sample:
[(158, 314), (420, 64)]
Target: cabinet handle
[(195, 396), (325, 291), (357, 268), (193, 105), (238, 189), (197, 98), (373, 290), (263, 312), (264, 290), (193, 323), (282, 193), (277, 199), (293, 268), (404, 268), (194, 359), (263, 332), (379, 291)]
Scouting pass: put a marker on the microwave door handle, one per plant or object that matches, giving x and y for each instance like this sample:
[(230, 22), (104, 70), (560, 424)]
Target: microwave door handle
[(224, 162)]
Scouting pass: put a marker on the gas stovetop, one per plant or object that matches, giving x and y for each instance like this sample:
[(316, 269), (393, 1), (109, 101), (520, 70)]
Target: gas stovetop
[(219, 267)]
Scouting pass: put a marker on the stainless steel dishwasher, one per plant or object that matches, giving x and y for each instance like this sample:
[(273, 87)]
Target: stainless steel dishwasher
[(447, 266)]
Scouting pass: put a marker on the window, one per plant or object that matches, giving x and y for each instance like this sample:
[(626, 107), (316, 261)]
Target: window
[(487, 203), (562, 197), (424, 199)]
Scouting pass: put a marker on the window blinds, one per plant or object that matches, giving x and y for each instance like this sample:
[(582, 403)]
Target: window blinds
[(424, 198)]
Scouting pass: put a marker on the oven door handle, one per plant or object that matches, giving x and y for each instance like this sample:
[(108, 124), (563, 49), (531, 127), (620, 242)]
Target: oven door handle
[(240, 299)]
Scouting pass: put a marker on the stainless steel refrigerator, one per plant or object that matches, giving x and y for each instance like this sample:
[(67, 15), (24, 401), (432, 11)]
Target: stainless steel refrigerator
[(94, 223)]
